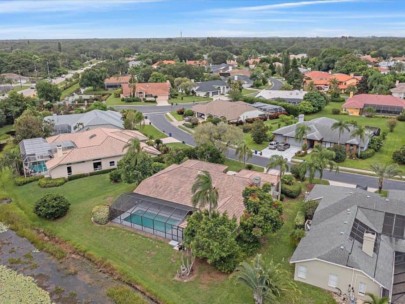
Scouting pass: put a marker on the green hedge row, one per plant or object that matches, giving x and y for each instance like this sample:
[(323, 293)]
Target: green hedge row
[(367, 154), (20, 181), (77, 176), (291, 191), (47, 182), (300, 220)]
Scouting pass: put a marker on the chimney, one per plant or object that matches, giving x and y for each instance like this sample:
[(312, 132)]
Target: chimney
[(351, 94), (301, 118), (368, 243), (59, 152), (257, 181)]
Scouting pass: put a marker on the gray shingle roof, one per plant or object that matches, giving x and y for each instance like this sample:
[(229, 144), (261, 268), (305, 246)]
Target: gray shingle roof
[(321, 129), (209, 86), (329, 238)]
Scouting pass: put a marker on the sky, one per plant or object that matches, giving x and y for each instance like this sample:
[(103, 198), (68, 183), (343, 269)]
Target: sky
[(63, 19)]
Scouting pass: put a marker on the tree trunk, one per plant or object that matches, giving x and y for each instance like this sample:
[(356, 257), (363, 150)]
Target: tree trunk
[(380, 185), (279, 187), (258, 298)]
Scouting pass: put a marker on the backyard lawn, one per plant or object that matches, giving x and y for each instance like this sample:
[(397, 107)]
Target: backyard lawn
[(70, 90), (188, 99), (151, 131), (393, 141), (149, 262)]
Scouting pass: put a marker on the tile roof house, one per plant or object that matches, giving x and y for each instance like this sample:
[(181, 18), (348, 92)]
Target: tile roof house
[(383, 104), (232, 111), (79, 153), (293, 97), (322, 80), (211, 88), (321, 132), (115, 82), (174, 184), (399, 90), (222, 69), (72, 123), (162, 62), (149, 91), (356, 239)]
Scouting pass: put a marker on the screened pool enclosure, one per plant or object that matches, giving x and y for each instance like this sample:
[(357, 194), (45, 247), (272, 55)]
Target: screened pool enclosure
[(151, 215)]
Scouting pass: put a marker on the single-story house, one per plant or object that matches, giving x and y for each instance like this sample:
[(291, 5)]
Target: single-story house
[(356, 239), (293, 97), (72, 123), (160, 204), (245, 80), (271, 110), (232, 111), (115, 82), (211, 88), (322, 80), (222, 69), (15, 78), (78, 153), (383, 104), (399, 90), (163, 62), (321, 132), (159, 91)]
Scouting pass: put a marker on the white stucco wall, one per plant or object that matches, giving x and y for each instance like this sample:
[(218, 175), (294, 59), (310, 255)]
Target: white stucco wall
[(251, 114)]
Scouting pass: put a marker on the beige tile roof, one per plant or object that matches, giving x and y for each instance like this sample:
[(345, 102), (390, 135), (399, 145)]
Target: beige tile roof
[(174, 184), (96, 144)]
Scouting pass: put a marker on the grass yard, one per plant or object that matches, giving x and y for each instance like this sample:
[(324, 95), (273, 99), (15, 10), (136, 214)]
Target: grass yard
[(151, 131), (70, 90), (234, 165), (146, 261), (249, 92), (188, 99), (178, 146), (19, 88), (4, 130), (177, 116), (116, 101), (393, 141), (247, 137)]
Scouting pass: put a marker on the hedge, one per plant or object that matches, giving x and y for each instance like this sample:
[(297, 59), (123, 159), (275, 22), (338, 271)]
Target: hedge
[(20, 181), (309, 209), (47, 182), (77, 176), (291, 191), (100, 214), (300, 220), (367, 154)]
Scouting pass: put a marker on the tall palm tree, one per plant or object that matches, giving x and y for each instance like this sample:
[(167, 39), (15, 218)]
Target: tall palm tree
[(384, 171), (204, 193), (360, 132), (301, 131), (341, 126), (132, 82), (374, 299), (134, 146), (243, 152), (321, 159), (267, 281), (280, 162)]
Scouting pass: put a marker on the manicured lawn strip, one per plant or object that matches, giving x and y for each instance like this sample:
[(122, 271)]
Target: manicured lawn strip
[(249, 92), (178, 146), (151, 131), (234, 165), (177, 116), (168, 117), (185, 129), (189, 99), (116, 101), (393, 141), (70, 90)]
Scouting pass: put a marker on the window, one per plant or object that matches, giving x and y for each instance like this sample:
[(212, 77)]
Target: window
[(97, 166), (302, 272), (69, 170), (362, 288), (333, 281), (112, 163)]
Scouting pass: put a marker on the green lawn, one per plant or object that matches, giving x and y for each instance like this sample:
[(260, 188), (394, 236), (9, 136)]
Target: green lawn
[(19, 88), (178, 146), (247, 137), (116, 101), (234, 165), (70, 90), (149, 262), (4, 130), (177, 116), (151, 131), (249, 92), (393, 141), (188, 99)]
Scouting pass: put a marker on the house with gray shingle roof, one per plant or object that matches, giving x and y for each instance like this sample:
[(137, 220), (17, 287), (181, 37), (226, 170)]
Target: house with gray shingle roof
[(356, 240), (321, 132), (72, 123), (211, 88)]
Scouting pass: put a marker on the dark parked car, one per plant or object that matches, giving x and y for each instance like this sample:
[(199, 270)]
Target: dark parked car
[(283, 146), (273, 145)]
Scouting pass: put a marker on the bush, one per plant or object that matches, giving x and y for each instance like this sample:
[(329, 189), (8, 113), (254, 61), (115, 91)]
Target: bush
[(309, 209), (340, 153), (194, 121), (299, 220), (296, 236), (115, 176), (188, 112), (259, 132), (132, 99), (399, 156), (249, 166), (100, 214), (298, 171), (291, 191), (20, 181), (337, 99), (180, 111), (246, 128), (376, 143), (401, 117), (124, 295), (367, 154), (288, 179), (51, 206), (335, 111), (156, 167), (47, 182)]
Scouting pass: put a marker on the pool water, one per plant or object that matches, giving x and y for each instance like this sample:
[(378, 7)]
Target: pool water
[(38, 167), (145, 219)]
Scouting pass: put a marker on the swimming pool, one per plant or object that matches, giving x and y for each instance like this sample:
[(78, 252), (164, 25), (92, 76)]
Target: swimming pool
[(151, 220), (38, 167)]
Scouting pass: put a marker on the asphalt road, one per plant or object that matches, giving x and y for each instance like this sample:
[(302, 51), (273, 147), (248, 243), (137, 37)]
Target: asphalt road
[(277, 84)]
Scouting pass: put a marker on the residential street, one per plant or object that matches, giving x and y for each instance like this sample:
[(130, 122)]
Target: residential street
[(277, 84)]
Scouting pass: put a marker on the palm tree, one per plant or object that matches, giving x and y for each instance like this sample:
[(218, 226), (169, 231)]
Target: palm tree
[(134, 146), (132, 82), (204, 193), (360, 132), (374, 299), (341, 126), (384, 171), (267, 281), (243, 152), (301, 131), (321, 159), (282, 164)]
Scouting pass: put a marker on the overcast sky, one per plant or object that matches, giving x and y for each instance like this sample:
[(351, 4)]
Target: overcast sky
[(21, 19)]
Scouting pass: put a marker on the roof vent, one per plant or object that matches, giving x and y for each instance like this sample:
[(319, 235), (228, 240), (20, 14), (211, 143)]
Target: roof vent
[(342, 247), (92, 136), (368, 195), (341, 233), (257, 181), (345, 222)]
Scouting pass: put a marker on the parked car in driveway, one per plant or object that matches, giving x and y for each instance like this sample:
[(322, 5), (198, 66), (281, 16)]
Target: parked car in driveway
[(273, 145), (283, 146)]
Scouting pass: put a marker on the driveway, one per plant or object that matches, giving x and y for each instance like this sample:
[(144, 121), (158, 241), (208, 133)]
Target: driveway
[(277, 84), (289, 153)]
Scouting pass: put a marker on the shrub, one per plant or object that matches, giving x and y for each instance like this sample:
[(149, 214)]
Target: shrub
[(115, 176), (156, 167), (188, 112), (335, 111), (391, 123), (298, 171), (100, 214), (384, 135), (401, 117), (249, 166), (19, 181), (180, 111), (300, 220), (246, 128), (51, 206), (288, 180), (399, 156), (124, 295), (340, 153), (376, 143), (132, 99), (259, 132), (296, 236), (194, 121), (367, 154), (337, 99), (291, 191), (47, 182), (309, 209)]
